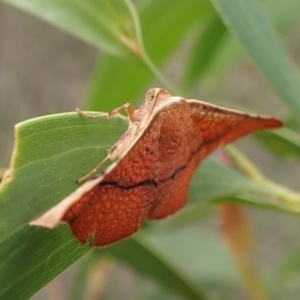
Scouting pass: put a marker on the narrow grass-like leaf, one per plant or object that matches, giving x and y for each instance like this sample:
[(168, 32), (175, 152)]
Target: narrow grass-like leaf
[(205, 47), (80, 280), (229, 182), (248, 21), (282, 15), (213, 265), (152, 263), (34, 256), (290, 268), (50, 154), (284, 142), (116, 80)]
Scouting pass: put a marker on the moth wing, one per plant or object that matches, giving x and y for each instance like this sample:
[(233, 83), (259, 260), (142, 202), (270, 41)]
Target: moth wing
[(215, 126), (113, 205), (206, 127)]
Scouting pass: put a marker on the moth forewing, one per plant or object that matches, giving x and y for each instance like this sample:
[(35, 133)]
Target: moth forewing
[(166, 140)]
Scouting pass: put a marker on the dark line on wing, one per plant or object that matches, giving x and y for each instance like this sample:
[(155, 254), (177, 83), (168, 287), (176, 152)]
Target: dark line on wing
[(129, 187), (153, 182)]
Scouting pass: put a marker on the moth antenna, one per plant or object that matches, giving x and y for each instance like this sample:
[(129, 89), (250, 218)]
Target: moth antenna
[(129, 109)]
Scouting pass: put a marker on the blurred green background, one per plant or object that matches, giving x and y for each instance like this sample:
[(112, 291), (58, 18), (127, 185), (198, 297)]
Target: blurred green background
[(80, 62)]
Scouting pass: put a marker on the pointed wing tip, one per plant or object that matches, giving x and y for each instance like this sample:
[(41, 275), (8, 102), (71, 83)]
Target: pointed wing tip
[(275, 123), (267, 122)]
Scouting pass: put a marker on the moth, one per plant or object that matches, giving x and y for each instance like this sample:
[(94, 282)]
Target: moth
[(166, 140)]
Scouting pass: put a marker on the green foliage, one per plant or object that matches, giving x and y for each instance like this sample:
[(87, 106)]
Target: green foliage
[(50, 152)]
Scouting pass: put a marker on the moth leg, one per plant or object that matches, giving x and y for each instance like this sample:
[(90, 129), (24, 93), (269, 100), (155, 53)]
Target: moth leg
[(129, 109), (122, 143), (96, 116), (100, 115), (116, 150), (83, 178)]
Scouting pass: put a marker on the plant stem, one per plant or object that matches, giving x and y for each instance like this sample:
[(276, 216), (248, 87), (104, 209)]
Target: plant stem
[(289, 196), (139, 38)]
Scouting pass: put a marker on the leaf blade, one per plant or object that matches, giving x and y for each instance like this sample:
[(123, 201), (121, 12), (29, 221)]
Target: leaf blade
[(247, 20)]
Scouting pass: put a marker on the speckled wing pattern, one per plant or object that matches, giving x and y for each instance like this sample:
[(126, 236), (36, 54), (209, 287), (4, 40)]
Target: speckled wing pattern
[(151, 180)]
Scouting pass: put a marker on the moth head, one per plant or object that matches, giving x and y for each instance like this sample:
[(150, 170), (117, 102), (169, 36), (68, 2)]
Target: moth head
[(156, 93)]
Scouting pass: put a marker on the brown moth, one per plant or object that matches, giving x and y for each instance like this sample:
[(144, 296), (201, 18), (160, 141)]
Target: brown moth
[(166, 140)]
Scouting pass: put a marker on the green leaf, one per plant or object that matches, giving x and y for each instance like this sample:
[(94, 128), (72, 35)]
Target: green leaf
[(194, 212), (213, 266), (215, 181), (169, 259), (247, 20), (289, 270), (33, 257), (50, 154), (205, 47), (282, 15), (105, 24), (116, 80), (285, 142), (148, 261), (79, 284)]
